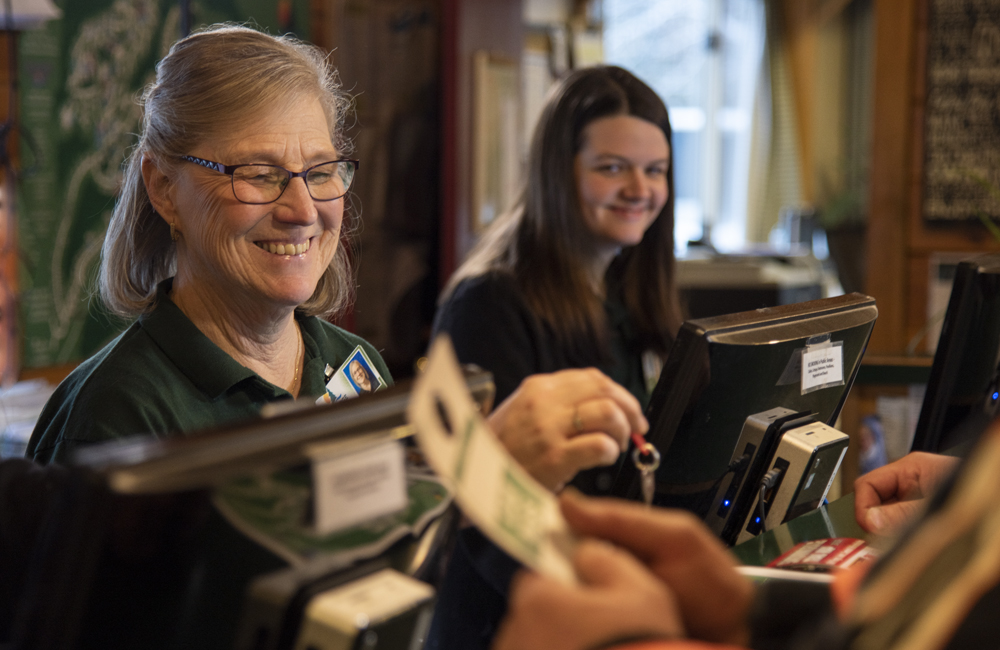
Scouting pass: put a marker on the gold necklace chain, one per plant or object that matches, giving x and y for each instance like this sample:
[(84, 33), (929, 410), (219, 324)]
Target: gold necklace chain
[(298, 357)]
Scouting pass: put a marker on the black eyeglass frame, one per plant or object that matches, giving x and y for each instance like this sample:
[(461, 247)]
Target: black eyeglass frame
[(229, 170)]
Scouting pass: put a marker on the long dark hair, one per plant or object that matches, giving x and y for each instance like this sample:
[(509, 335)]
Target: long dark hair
[(542, 241)]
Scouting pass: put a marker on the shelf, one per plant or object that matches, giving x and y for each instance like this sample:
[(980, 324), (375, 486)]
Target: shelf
[(885, 369)]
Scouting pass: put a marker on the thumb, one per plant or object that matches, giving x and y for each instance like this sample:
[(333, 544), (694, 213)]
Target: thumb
[(599, 564), (888, 519), (590, 450)]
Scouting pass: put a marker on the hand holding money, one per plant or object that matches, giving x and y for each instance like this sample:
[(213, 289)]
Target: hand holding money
[(618, 599), (713, 599)]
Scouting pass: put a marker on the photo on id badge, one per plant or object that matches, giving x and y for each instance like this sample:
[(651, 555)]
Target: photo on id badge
[(356, 376)]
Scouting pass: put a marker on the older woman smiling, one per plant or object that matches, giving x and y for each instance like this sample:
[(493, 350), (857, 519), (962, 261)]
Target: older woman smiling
[(226, 248)]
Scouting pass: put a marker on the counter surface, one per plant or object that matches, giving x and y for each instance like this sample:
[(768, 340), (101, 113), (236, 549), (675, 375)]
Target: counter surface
[(833, 520)]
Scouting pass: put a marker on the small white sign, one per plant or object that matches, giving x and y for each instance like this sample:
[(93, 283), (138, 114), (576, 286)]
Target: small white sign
[(822, 367), (334, 618), (355, 487)]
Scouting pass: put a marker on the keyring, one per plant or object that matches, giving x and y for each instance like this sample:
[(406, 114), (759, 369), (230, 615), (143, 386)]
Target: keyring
[(647, 449)]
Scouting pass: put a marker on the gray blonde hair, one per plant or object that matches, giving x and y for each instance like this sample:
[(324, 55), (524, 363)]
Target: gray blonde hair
[(213, 78)]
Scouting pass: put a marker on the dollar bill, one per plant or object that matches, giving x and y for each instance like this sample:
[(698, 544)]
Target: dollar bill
[(509, 506)]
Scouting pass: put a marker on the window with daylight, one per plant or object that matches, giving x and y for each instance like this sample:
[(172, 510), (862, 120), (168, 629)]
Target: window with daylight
[(704, 58)]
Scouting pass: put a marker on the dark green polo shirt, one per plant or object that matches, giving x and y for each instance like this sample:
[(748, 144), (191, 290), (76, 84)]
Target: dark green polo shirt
[(163, 376)]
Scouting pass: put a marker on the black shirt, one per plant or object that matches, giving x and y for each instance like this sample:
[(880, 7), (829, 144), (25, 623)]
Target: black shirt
[(491, 325)]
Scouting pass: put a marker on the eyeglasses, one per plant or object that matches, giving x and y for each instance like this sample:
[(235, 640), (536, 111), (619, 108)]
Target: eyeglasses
[(259, 184)]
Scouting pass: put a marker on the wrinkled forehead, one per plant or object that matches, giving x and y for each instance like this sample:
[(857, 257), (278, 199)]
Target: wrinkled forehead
[(302, 124)]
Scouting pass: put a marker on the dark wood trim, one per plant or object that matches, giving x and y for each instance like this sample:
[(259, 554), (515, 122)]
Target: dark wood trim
[(891, 142), (449, 138)]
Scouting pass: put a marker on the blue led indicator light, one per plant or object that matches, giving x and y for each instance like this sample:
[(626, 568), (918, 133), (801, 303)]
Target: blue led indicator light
[(995, 396), (726, 502)]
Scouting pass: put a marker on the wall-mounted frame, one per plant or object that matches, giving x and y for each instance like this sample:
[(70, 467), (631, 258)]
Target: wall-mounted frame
[(961, 115), (496, 160)]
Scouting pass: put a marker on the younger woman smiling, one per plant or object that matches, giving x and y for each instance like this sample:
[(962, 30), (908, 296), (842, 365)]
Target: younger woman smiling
[(579, 274)]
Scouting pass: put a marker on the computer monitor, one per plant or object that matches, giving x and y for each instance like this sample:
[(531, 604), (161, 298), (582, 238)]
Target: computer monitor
[(722, 370), (141, 548), (963, 381)]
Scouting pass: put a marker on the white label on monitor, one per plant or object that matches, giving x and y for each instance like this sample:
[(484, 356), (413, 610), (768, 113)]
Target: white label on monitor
[(356, 487), (822, 367)]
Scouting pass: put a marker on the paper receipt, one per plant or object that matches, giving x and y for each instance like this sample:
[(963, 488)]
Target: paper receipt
[(509, 506)]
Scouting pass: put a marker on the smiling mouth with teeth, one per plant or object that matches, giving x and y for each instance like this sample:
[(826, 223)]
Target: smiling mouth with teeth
[(284, 249)]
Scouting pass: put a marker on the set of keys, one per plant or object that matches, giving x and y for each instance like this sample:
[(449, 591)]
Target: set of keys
[(646, 458)]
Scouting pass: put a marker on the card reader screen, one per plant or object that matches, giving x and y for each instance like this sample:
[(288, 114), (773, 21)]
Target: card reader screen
[(816, 480)]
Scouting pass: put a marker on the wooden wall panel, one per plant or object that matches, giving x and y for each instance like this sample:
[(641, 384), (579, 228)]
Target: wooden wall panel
[(916, 299), (900, 243), (899, 240), (891, 142), (468, 26), (387, 55)]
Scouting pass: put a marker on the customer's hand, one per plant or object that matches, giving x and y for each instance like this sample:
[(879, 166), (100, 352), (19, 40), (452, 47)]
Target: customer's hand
[(890, 496), (558, 424), (618, 599), (713, 599)]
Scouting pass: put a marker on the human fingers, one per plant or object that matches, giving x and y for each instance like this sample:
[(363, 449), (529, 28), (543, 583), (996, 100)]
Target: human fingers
[(649, 604), (561, 461), (713, 598), (554, 463), (618, 598), (874, 489), (932, 468), (605, 416), (612, 399), (914, 476), (889, 519), (573, 401), (646, 532), (589, 450), (576, 386), (524, 626), (540, 419), (599, 564)]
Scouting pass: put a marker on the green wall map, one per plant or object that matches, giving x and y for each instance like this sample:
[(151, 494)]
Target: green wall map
[(80, 77)]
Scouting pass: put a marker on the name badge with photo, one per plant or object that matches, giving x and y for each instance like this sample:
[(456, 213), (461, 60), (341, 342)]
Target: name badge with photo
[(356, 376)]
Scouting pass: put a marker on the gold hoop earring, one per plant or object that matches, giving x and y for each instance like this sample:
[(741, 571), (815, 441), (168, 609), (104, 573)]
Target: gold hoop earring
[(174, 235)]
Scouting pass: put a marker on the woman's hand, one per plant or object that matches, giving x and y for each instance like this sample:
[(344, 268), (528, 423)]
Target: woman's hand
[(890, 496), (558, 424), (712, 598), (619, 599)]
